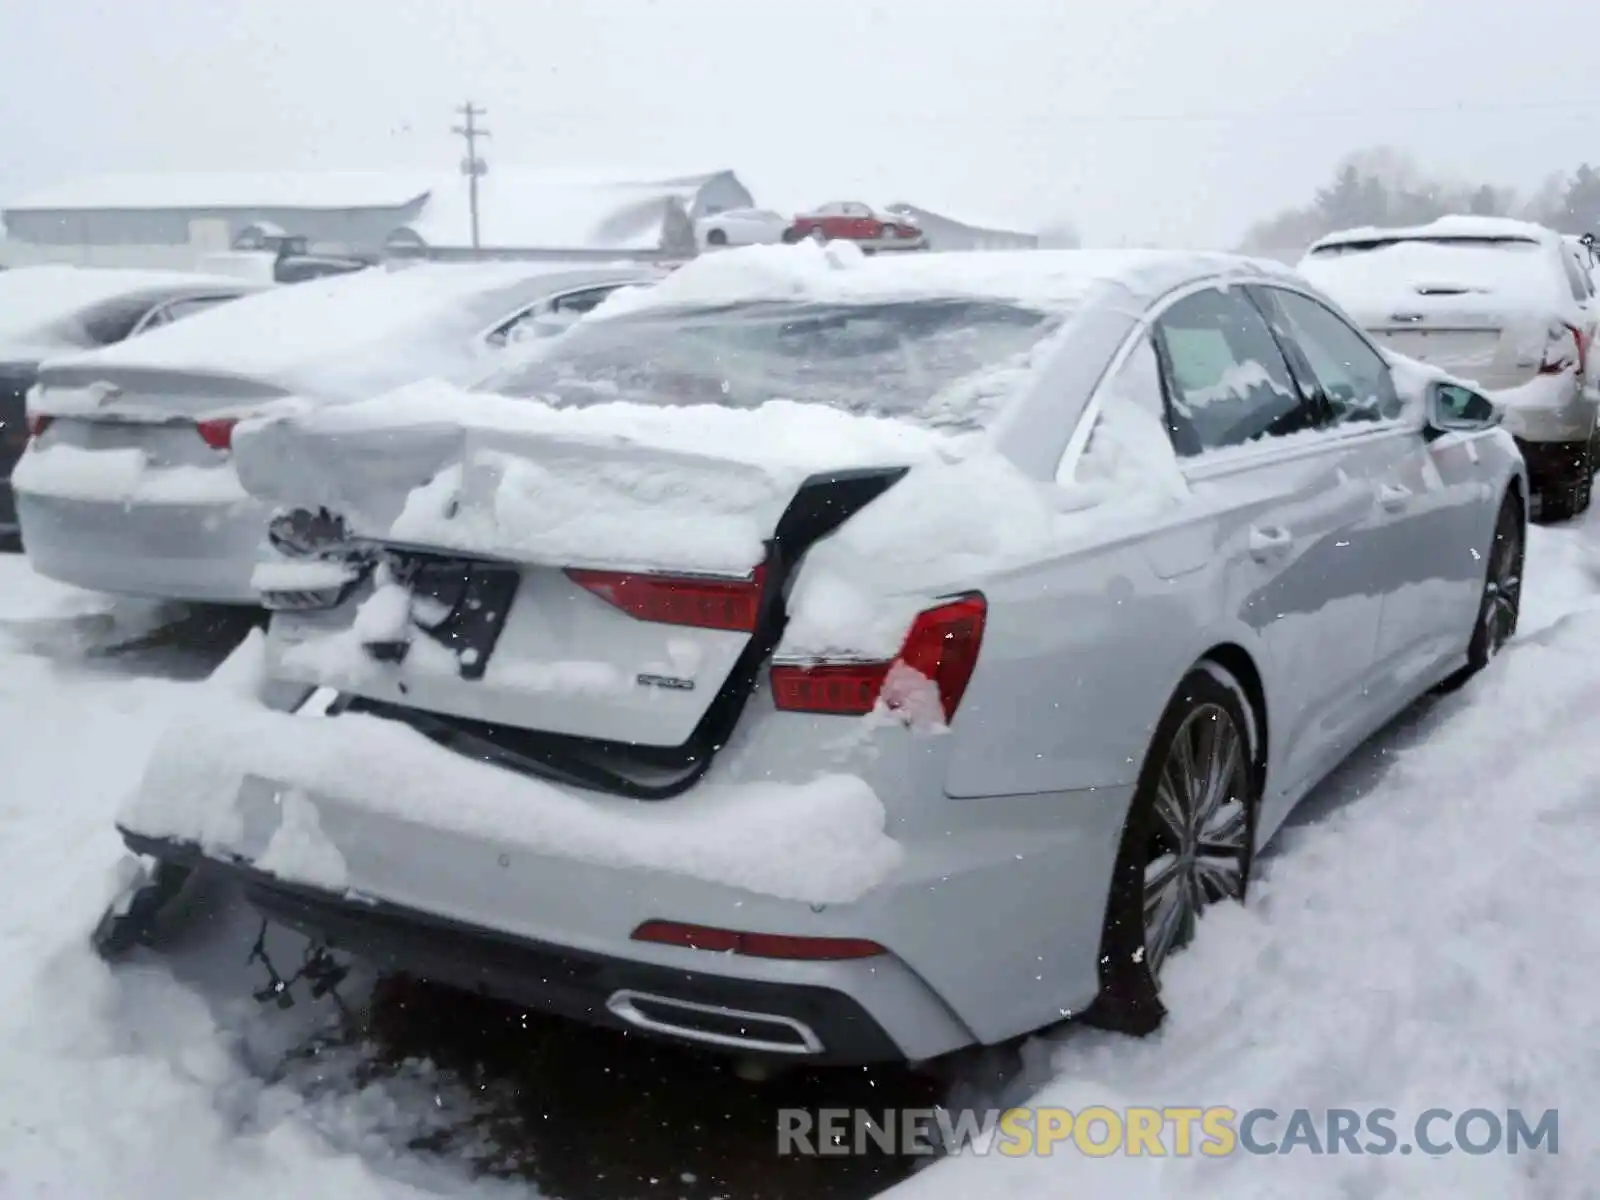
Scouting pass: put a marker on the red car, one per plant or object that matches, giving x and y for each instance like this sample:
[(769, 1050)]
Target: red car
[(848, 220)]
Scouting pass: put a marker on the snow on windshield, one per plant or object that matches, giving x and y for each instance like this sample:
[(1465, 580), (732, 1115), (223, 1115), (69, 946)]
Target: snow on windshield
[(941, 363)]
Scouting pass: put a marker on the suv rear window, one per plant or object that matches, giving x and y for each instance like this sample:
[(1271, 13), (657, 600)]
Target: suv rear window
[(1510, 245)]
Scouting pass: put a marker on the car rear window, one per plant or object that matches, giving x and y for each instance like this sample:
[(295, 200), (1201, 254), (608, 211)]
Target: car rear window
[(1492, 245), (942, 363)]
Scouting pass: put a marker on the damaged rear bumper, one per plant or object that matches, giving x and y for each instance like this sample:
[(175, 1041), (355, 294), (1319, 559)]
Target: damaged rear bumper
[(765, 1018)]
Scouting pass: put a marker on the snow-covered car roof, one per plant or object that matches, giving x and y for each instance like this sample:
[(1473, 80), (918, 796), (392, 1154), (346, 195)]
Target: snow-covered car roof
[(1053, 280), (37, 304), (1458, 226), (310, 335)]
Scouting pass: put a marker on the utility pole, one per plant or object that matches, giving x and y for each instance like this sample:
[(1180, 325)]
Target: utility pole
[(472, 166)]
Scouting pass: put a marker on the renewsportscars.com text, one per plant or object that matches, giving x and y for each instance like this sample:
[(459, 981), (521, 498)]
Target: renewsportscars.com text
[(1214, 1132)]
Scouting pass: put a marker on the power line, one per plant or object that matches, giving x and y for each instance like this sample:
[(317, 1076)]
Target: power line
[(472, 166), (1037, 119)]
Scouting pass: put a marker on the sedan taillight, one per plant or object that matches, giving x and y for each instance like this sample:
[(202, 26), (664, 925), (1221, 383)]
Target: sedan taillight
[(941, 648)]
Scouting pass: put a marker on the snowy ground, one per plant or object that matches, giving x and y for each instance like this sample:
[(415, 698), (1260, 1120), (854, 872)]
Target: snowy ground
[(1421, 937)]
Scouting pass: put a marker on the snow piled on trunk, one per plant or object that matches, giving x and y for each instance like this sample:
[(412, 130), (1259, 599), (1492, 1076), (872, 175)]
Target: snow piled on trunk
[(689, 488), (822, 842)]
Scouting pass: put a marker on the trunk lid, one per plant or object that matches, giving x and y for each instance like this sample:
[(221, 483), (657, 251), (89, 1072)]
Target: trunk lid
[(153, 413), (574, 594)]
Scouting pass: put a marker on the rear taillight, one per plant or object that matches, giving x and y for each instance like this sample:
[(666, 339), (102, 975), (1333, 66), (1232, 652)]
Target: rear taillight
[(756, 945), (701, 602), (941, 648), (218, 433), (38, 423), (1566, 346)]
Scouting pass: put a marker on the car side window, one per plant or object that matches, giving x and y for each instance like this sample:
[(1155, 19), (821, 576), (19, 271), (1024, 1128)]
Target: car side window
[(1228, 382), (1353, 376), (1577, 278), (176, 310), (1134, 386), (511, 329), (114, 321), (581, 302), (549, 316)]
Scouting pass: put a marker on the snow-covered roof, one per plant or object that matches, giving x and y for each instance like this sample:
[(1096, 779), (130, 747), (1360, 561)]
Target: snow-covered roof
[(351, 332), (241, 190), (1456, 226), (34, 301), (556, 209), (839, 272), (1010, 229)]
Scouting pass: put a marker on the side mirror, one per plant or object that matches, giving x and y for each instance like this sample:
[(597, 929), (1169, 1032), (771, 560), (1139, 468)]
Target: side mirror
[(1455, 408)]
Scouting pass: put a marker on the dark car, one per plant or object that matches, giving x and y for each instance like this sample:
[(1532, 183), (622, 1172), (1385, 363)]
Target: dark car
[(52, 310)]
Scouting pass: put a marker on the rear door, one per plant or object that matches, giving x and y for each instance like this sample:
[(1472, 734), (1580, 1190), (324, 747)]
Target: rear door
[(1420, 537), (1290, 501)]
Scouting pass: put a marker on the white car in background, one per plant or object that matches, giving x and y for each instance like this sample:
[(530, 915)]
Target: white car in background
[(741, 227), (127, 484), (1506, 304)]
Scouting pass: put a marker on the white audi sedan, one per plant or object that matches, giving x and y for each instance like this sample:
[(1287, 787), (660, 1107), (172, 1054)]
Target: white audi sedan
[(836, 659)]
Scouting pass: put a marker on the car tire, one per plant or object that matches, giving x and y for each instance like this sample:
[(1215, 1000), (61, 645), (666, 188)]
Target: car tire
[(791, 236), (717, 237), (1570, 497), (1163, 841), (819, 234), (1501, 603)]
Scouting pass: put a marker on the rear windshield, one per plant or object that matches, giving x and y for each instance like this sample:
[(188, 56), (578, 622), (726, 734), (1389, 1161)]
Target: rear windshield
[(1468, 245), (944, 363)]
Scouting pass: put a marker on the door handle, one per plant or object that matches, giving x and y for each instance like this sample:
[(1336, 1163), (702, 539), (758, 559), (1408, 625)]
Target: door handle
[(1392, 496), (1269, 541)]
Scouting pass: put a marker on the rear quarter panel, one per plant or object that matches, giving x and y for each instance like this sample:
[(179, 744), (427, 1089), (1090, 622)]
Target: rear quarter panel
[(1081, 655)]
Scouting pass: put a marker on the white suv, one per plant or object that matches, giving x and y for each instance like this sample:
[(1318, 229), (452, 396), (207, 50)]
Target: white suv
[(1506, 304)]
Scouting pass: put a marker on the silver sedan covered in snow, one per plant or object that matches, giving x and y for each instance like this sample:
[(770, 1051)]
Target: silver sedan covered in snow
[(127, 484), (843, 659)]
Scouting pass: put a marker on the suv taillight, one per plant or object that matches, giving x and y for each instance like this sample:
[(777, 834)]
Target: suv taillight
[(1565, 347), (38, 423), (941, 648)]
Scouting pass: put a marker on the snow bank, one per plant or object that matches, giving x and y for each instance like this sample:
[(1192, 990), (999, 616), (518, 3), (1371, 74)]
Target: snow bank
[(822, 842), (122, 477)]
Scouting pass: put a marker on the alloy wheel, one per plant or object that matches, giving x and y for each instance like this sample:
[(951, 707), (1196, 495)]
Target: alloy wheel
[(1503, 587), (1197, 851)]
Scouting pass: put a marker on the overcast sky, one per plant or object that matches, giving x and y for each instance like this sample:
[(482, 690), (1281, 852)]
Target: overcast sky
[(1157, 121)]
